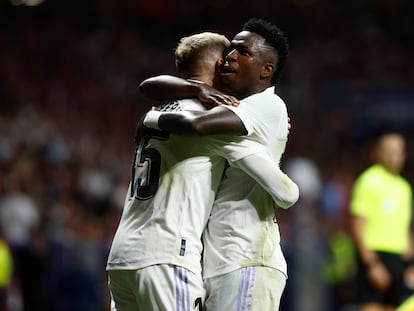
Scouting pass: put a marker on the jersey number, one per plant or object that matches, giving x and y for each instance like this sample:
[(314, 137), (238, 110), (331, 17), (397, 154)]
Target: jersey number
[(145, 171)]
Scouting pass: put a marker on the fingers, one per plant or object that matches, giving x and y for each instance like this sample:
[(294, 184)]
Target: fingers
[(211, 97), (289, 126), (227, 100)]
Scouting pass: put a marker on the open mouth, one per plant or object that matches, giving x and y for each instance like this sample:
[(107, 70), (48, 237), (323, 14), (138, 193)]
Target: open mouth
[(226, 70)]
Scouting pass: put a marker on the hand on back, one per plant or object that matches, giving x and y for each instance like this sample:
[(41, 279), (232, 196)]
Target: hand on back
[(210, 97)]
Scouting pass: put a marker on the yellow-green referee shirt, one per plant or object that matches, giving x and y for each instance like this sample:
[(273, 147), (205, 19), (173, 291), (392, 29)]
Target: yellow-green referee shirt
[(6, 265), (385, 201)]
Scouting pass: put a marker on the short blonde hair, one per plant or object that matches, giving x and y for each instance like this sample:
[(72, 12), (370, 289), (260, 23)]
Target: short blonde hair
[(193, 47)]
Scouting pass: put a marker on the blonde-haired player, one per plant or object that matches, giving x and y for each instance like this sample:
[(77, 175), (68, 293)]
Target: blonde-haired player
[(154, 261)]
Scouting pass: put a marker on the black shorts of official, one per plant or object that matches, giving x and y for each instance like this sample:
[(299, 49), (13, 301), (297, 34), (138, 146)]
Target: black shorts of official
[(3, 299), (394, 294)]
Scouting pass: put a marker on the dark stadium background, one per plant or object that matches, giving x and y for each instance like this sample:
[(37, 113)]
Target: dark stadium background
[(69, 103)]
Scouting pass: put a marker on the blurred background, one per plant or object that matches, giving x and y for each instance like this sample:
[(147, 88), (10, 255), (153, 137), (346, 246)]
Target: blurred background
[(69, 104)]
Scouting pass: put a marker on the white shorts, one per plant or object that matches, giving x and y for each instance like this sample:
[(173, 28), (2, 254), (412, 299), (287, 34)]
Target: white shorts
[(252, 288), (156, 288)]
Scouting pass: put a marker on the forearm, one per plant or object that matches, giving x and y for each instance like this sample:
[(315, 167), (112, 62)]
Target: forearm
[(179, 123), (267, 173), (408, 254), (367, 256), (166, 87), (216, 121)]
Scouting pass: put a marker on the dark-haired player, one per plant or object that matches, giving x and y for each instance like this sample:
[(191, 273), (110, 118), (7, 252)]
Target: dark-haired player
[(244, 267), (154, 263)]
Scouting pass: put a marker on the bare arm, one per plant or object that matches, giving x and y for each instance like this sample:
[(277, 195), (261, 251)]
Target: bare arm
[(167, 87), (357, 227), (218, 120)]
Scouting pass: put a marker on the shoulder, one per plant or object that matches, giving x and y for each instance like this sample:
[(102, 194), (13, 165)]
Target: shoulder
[(267, 99), (369, 175), (266, 102), (406, 184)]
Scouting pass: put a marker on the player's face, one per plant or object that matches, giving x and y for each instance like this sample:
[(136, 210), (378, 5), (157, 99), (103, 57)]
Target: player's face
[(244, 61), (391, 152)]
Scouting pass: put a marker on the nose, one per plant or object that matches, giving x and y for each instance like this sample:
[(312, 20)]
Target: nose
[(231, 56)]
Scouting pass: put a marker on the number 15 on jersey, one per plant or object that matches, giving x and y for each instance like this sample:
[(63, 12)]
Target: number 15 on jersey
[(145, 171)]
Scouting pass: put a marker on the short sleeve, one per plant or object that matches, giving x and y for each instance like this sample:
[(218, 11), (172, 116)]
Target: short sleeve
[(361, 198)]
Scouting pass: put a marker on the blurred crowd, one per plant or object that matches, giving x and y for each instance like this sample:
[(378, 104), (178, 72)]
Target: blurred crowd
[(69, 104)]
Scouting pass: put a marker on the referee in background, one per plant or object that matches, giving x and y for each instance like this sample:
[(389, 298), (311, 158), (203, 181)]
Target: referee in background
[(380, 209)]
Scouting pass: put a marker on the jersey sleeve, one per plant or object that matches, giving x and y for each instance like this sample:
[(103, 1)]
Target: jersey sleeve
[(263, 116), (243, 115), (268, 174), (230, 147), (361, 198)]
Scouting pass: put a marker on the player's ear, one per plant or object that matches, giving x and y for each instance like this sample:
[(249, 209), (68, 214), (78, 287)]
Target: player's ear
[(219, 62), (267, 70)]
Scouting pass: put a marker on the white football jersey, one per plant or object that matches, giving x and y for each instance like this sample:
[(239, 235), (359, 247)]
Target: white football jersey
[(242, 229), (173, 185)]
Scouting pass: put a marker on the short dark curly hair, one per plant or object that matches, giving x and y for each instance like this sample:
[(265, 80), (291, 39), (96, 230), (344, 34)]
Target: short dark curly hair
[(275, 38)]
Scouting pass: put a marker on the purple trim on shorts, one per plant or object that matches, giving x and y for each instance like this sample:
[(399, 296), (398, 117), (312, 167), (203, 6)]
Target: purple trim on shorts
[(245, 292), (250, 294), (177, 290), (182, 292)]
